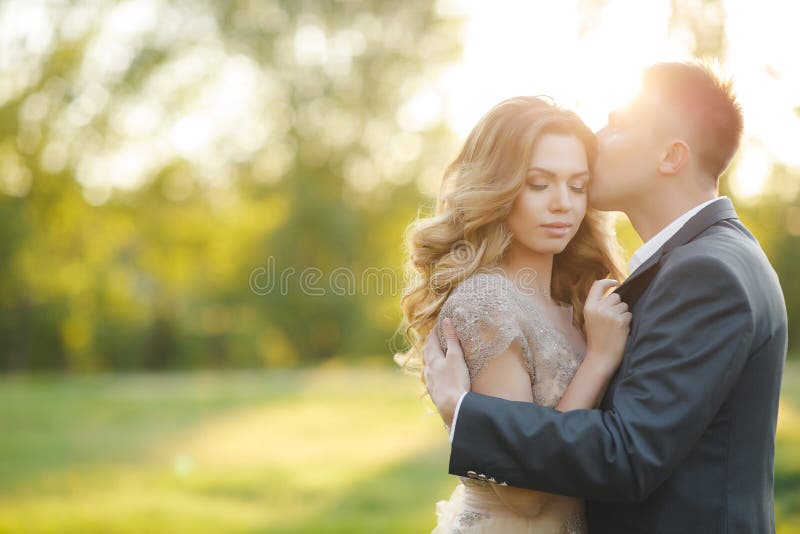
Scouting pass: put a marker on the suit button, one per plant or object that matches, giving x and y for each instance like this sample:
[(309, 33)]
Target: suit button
[(482, 476), (472, 474)]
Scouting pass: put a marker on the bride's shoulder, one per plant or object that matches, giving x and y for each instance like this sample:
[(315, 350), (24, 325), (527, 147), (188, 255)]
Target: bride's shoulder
[(486, 318), (482, 289)]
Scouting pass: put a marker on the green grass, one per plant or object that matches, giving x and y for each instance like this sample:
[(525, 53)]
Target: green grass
[(787, 453), (322, 450)]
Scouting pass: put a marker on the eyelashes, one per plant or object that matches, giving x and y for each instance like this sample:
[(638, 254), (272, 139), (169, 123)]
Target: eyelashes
[(542, 187)]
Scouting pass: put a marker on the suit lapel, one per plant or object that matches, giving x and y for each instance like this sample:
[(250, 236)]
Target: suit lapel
[(632, 288), (634, 285)]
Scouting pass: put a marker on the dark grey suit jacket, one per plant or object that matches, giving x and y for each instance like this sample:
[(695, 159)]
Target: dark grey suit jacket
[(684, 439)]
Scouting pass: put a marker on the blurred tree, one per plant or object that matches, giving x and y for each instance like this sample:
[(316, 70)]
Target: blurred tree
[(178, 180), (156, 154)]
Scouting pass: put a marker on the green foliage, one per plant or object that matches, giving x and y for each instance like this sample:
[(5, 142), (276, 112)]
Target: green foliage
[(148, 174), (163, 164)]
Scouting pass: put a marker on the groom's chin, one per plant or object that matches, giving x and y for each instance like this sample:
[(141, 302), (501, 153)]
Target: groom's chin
[(602, 202)]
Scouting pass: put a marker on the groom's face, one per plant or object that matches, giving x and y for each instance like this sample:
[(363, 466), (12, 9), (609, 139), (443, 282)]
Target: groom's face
[(627, 156)]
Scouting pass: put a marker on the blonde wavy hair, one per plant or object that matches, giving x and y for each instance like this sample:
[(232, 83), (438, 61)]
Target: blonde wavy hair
[(468, 231)]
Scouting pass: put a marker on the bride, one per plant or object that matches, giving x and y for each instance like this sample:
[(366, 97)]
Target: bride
[(515, 264)]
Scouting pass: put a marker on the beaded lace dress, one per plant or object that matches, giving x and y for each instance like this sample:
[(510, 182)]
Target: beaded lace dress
[(489, 311)]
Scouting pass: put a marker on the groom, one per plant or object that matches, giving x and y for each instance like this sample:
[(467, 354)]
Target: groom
[(683, 441)]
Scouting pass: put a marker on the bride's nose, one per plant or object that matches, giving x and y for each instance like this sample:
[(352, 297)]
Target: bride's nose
[(560, 199)]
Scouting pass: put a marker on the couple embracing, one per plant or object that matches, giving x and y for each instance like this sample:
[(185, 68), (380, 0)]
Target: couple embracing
[(578, 400)]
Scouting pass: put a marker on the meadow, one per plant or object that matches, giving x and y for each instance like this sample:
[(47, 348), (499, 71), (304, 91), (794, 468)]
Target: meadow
[(327, 449)]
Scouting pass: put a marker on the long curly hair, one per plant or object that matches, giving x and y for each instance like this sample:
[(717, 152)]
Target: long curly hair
[(468, 231)]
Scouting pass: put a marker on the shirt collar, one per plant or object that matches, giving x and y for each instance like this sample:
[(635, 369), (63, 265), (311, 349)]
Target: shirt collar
[(653, 244)]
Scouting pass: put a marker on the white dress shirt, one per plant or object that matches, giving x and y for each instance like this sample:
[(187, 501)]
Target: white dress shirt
[(641, 255)]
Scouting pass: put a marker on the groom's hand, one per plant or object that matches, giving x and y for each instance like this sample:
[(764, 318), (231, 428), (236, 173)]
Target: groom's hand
[(446, 375)]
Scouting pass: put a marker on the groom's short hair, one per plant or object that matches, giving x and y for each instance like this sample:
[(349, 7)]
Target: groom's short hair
[(707, 103)]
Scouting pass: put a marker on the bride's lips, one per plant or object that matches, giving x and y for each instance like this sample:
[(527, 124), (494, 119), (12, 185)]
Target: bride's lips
[(557, 229)]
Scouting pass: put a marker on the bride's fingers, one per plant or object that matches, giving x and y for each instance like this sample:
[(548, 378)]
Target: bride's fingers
[(599, 288), (620, 307)]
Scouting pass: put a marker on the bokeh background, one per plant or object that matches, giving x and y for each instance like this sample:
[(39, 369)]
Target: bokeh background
[(202, 206)]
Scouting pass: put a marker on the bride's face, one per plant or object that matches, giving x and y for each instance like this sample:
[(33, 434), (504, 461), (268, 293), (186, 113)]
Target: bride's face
[(552, 203)]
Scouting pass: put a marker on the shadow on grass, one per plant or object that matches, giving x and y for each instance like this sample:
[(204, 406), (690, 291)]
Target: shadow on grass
[(399, 499), (402, 499)]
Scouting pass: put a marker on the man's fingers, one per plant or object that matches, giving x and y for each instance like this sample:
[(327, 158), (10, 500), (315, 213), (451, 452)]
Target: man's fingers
[(453, 344), (449, 329), (426, 349), (431, 349)]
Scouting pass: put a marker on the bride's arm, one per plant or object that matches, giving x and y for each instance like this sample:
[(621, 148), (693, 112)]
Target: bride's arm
[(588, 385), (505, 376)]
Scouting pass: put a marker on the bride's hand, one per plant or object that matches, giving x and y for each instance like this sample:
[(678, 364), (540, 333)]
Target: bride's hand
[(607, 324)]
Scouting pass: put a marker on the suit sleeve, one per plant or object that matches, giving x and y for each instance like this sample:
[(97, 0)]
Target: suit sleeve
[(687, 351)]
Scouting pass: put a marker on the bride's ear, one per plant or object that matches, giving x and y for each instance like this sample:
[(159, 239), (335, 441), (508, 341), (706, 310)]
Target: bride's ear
[(675, 157)]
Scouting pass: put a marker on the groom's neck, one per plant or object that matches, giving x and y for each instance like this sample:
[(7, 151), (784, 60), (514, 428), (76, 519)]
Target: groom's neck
[(656, 212)]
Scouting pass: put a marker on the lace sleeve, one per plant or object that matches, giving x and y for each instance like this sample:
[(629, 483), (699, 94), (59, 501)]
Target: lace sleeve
[(485, 319)]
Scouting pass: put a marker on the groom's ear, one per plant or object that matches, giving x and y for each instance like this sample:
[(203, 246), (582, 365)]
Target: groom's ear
[(675, 157)]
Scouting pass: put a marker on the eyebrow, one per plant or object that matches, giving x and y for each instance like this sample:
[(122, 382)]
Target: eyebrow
[(551, 174)]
